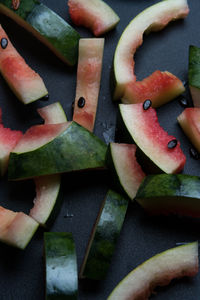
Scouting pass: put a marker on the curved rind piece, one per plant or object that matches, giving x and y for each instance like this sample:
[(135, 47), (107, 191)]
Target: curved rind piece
[(153, 18), (95, 14), (158, 270)]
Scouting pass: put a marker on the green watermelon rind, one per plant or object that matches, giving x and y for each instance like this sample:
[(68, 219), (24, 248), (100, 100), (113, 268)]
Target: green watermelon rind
[(47, 26)]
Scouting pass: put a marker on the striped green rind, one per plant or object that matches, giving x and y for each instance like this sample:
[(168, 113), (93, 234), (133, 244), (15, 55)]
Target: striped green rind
[(74, 149), (194, 67), (104, 236), (47, 26), (60, 266), (167, 193)]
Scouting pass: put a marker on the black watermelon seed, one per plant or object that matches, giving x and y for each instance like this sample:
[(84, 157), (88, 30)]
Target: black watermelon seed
[(4, 43), (183, 102), (45, 98), (172, 144), (81, 102), (147, 104), (194, 153)]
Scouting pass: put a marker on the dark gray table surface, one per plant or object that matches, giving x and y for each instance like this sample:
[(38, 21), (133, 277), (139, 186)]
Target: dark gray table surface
[(22, 272)]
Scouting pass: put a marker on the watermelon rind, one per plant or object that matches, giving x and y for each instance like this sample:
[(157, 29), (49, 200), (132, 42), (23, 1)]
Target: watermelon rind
[(16, 228), (189, 122), (153, 18), (194, 74), (48, 188), (145, 130), (88, 81), (95, 14), (60, 266), (74, 149), (104, 236), (126, 172), (159, 270), (47, 26), (170, 194), (53, 113)]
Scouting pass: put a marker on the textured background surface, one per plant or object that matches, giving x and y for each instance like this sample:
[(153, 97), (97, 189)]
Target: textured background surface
[(21, 273)]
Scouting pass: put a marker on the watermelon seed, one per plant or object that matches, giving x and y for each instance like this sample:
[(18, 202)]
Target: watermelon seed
[(81, 102), (194, 153), (147, 104), (172, 144), (4, 43), (183, 101)]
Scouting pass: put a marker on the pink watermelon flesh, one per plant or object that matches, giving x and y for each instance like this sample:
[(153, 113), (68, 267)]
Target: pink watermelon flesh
[(129, 172), (24, 82), (96, 15), (39, 135), (189, 120), (158, 271), (8, 140), (16, 229), (159, 87), (88, 81), (151, 138)]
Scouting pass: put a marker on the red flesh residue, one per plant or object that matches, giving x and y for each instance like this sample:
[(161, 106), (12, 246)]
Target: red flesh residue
[(21, 69), (81, 16), (8, 137), (156, 87)]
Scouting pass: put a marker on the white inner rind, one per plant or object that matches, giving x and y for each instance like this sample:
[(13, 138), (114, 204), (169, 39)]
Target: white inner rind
[(158, 270)]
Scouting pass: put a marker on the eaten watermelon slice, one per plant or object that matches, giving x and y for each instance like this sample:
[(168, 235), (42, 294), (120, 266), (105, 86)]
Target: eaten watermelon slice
[(161, 148), (26, 84), (96, 15), (189, 120), (126, 171), (158, 271), (88, 81), (8, 140), (153, 18), (16, 228)]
